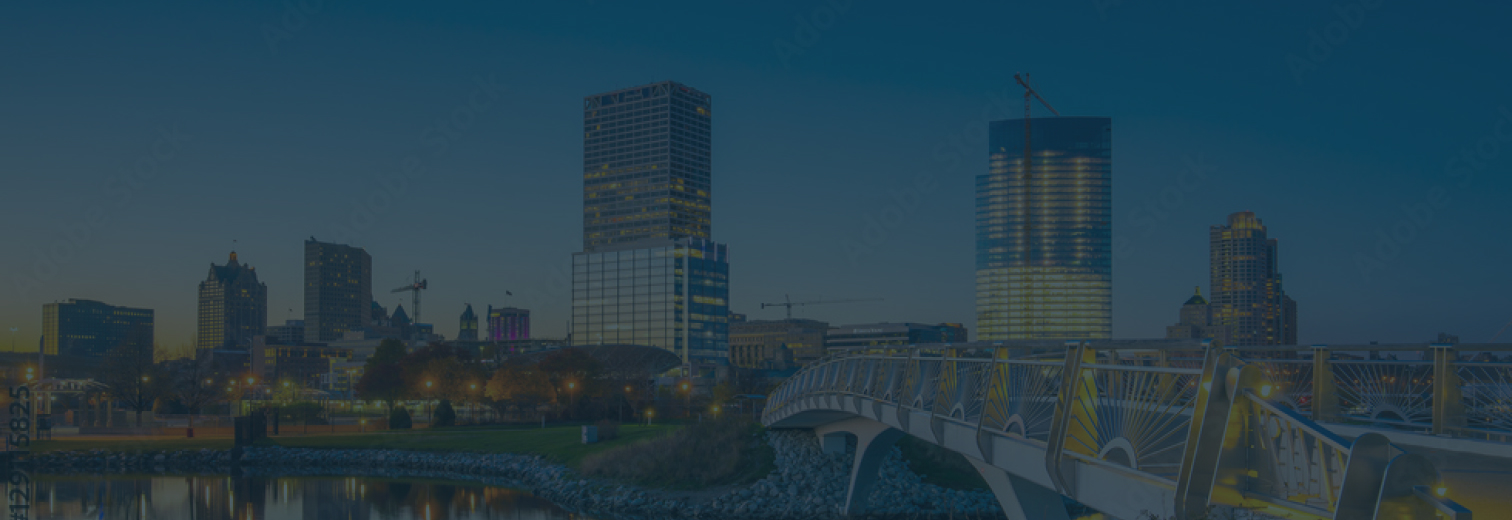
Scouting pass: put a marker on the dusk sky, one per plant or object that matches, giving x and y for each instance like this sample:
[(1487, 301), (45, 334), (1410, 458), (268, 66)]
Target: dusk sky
[(137, 141)]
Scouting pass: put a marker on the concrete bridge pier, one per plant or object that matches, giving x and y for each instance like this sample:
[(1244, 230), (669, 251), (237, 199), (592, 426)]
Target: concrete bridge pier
[(1020, 498), (874, 440)]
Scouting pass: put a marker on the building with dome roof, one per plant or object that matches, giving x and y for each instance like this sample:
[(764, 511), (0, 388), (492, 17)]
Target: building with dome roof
[(1196, 322)]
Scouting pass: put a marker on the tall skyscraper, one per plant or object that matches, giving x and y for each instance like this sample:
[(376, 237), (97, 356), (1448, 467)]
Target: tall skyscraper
[(467, 329), (1246, 284), (1044, 259), (645, 165), (233, 307), (508, 323), (89, 329), (649, 273), (338, 290)]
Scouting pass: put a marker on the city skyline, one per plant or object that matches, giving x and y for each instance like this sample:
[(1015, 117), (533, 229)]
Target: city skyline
[(884, 189)]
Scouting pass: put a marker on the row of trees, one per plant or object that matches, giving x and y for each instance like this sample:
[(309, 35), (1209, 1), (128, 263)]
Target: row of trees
[(433, 372), (129, 376), (560, 382), (567, 384)]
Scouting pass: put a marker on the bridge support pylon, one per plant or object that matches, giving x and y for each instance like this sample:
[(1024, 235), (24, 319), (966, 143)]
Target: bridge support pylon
[(873, 442), (1020, 498)]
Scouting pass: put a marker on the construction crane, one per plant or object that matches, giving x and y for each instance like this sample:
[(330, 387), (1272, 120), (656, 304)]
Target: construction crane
[(1028, 176), (789, 303), (417, 286)]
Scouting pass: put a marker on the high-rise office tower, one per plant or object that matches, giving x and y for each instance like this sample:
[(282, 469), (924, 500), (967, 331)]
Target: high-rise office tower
[(649, 273), (645, 165), (233, 307), (1044, 260), (338, 290), (88, 329), (1246, 284), (467, 330)]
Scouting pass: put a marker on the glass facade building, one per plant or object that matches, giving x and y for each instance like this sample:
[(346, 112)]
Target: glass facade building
[(89, 329), (1044, 260), (1247, 295), (672, 295), (233, 307), (646, 165), (338, 290)]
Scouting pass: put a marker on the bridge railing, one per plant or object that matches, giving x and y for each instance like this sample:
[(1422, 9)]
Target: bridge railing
[(1458, 389), (1155, 412)]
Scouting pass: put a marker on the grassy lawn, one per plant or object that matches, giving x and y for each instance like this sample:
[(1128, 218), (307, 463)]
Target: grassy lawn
[(132, 444), (560, 444)]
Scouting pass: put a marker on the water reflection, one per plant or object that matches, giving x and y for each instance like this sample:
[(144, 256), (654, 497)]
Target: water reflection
[(291, 498)]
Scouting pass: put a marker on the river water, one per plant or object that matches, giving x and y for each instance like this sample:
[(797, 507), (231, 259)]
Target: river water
[(1477, 482), (267, 498)]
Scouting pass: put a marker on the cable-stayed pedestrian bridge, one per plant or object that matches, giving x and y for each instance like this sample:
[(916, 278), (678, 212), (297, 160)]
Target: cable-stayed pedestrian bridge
[(1169, 428)]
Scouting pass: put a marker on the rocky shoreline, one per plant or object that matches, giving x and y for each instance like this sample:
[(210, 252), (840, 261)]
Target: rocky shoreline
[(807, 484)]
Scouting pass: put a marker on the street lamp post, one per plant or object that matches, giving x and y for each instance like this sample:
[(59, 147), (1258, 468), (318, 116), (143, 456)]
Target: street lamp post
[(688, 395), (474, 403), (624, 403), (430, 414)]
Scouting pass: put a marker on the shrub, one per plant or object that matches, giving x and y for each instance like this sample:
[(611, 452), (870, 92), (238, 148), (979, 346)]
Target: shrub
[(445, 415), (607, 430), (703, 454), (399, 419)]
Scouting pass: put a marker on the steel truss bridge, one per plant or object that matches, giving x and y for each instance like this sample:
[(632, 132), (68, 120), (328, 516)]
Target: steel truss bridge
[(1164, 428)]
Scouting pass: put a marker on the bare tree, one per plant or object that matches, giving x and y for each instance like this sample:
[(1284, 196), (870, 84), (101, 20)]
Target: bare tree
[(192, 381), (130, 376)]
